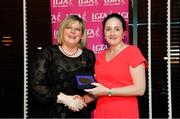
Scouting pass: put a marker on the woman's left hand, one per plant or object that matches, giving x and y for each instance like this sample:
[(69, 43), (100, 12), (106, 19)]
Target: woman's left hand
[(99, 90)]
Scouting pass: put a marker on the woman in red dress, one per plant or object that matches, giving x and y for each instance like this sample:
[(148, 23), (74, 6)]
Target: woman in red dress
[(120, 74)]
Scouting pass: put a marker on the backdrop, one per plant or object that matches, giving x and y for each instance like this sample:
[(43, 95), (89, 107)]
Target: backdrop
[(93, 12)]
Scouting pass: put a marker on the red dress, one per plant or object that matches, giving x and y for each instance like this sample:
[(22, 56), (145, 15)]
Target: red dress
[(116, 73)]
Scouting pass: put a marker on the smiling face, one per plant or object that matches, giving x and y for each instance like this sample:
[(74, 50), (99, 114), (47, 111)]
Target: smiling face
[(72, 33), (113, 31)]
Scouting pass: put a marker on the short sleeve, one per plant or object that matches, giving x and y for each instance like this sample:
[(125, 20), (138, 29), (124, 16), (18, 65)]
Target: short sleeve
[(136, 57)]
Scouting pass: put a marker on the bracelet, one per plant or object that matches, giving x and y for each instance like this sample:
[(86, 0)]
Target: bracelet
[(109, 92)]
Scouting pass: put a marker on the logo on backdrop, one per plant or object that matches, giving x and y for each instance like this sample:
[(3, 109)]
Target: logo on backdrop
[(84, 3), (62, 3), (113, 2), (98, 17), (82, 15), (93, 33), (54, 35), (99, 48), (55, 18)]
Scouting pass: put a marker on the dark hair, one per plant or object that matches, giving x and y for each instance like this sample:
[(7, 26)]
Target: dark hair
[(115, 15)]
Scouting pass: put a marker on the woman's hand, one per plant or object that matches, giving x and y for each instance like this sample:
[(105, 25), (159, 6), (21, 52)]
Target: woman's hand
[(74, 104), (99, 90), (80, 98)]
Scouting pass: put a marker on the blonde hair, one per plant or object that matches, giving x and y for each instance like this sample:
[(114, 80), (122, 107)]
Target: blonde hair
[(65, 23)]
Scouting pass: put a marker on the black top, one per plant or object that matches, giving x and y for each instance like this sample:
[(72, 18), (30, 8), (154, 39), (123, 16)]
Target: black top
[(54, 72)]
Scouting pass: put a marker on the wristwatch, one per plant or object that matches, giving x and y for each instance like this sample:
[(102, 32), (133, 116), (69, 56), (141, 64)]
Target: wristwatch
[(109, 92)]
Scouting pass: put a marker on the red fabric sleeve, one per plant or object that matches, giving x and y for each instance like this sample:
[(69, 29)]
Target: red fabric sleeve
[(136, 57)]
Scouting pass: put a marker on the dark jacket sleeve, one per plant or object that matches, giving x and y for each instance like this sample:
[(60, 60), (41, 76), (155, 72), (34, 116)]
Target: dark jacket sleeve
[(89, 58), (92, 61), (39, 83)]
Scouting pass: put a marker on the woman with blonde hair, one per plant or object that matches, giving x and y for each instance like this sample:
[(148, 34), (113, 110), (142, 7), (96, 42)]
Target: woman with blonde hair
[(53, 82)]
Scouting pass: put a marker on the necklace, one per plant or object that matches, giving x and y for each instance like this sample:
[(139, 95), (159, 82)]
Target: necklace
[(67, 53)]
